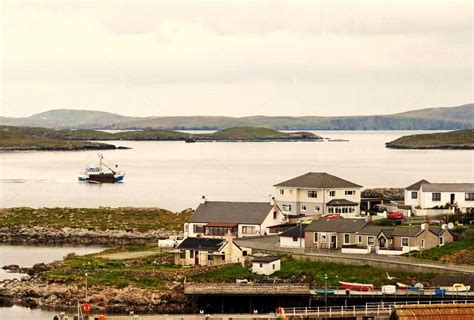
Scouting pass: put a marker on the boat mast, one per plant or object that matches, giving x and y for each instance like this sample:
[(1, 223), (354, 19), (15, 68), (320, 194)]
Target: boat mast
[(100, 161)]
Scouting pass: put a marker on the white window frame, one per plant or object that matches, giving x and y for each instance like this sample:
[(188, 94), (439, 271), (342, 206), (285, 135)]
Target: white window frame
[(373, 240), (422, 243), (323, 238), (350, 192), (245, 229), (317, 209), (303, 207), (286, 207), (315, 237), (441, 241), (414, 194), (359, 239), (344, 238), (332, 193), (408, 242), (282, 191), (312, 192)]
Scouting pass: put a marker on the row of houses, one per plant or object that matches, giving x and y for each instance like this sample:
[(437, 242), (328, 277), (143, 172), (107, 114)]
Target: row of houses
[(210, 232)]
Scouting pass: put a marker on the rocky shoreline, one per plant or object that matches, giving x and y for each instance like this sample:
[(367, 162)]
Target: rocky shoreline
[(441, 147), (79, 236)]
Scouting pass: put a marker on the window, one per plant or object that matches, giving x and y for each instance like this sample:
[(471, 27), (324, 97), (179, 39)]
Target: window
[(414, 195), (191, 253), (404, 242), (423, 243), (359, 239), (273, 266), (436, 196), (315, 239), (303, 208), (286, 207), (332, 193), (275, 214), (371, 240), (244, 253), (209, 257), (198, 228), (347, 238), (295, 239), (330, 210), (350, 192), (182, 254), (316, 208), (469, 196), (441, 241), (248, 229), (223, 257), (261, 265), (323, 238), (282, 191), (312, 194)]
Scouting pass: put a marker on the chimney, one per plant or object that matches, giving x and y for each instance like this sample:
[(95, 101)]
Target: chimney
[(272, 200), (203, 199), (423, 226), (368, 217), (444, 226)]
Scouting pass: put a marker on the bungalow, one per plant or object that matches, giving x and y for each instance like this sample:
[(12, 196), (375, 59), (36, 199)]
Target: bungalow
[(217, 219), (208, 252), (293, 237), (266, 265), (426, 195), (316, 193), (332, 233)]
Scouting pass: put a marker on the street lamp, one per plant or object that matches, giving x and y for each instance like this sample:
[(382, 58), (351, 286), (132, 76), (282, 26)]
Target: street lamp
[(87, 299), (325, 293)]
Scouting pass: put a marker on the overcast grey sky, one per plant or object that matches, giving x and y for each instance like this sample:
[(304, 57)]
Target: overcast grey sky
[(235, 58)]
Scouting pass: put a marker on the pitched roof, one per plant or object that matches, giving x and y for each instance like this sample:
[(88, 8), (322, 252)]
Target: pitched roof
[(265, 259), (341, 202), (231, 212), (407, 231), (388, 233), (437, 230), (203, 244), (295, 232), (448, 187), (416, 185), (336, 225), (317, 180), (457, 311), (370, 229)]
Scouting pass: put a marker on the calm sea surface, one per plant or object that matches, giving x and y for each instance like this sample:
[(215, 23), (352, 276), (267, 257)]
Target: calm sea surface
[(174, 175)]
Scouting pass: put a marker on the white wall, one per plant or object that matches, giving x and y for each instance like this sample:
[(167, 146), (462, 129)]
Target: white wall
[(266, 268), (409, 201), (287, 242), (426, 201)]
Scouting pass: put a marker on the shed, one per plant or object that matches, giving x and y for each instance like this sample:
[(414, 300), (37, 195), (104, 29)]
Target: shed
[(266, 265)]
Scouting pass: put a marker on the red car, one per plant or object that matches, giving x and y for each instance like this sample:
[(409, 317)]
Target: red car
[(396, 215), (332, 216)]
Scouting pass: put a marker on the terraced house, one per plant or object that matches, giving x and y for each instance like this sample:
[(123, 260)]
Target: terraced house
[(318, 193)]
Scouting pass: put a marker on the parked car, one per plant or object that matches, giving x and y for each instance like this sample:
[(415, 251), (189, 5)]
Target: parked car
[(395, 215)]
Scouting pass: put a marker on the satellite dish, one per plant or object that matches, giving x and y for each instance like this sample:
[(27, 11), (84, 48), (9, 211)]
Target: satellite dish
[(450, 225)]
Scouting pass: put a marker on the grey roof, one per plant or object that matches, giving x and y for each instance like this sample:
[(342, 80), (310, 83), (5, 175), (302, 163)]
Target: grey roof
[(341, 202), (416, 186), (387, 232), (437, 230), (336, 225), (295, 232), (203, 244), (231, 212), (317, 180), (370, 229), (407, 231), (265, 259), (448, 187)]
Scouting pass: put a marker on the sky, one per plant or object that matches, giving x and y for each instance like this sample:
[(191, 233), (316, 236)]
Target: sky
[(235, 58)]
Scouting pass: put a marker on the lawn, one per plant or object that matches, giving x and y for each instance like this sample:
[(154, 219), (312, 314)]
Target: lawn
[(463, 246)]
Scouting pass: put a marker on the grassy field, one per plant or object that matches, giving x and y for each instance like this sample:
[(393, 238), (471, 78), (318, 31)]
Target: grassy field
[(142, 272), (452, 139), (461, 251), (139, 219), (314, 271)]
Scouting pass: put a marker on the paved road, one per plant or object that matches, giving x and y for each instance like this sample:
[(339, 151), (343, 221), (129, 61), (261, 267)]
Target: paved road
[(271, 244)]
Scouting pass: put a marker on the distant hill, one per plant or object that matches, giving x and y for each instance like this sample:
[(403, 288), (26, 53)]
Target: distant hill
[(460, 139), (451, 118)]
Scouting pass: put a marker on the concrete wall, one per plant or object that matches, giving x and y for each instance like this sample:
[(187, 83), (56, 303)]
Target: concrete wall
[(288, 242), (266, 268)]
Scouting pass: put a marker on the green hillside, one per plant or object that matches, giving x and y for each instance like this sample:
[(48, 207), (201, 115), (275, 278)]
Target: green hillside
[(461, 139)]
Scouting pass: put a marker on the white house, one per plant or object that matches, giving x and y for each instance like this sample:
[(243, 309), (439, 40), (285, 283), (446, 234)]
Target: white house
[(426, 195), (318, 193), (293, 237), (217, 219), (208, 252), (266, 265)]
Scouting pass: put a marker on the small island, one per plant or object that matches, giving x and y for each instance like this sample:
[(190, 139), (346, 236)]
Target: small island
[(452, 140), (43, 139)]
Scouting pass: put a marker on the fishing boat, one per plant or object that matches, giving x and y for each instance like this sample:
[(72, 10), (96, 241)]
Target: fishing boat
[(324, 291), (356, 286), (457, 287), (101, 173), (403, 286)]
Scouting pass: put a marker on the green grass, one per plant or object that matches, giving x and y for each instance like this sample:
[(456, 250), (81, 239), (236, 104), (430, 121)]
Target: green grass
[(139, 219), (313, 272), (451, 248), (435, 140), (142, 273)]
